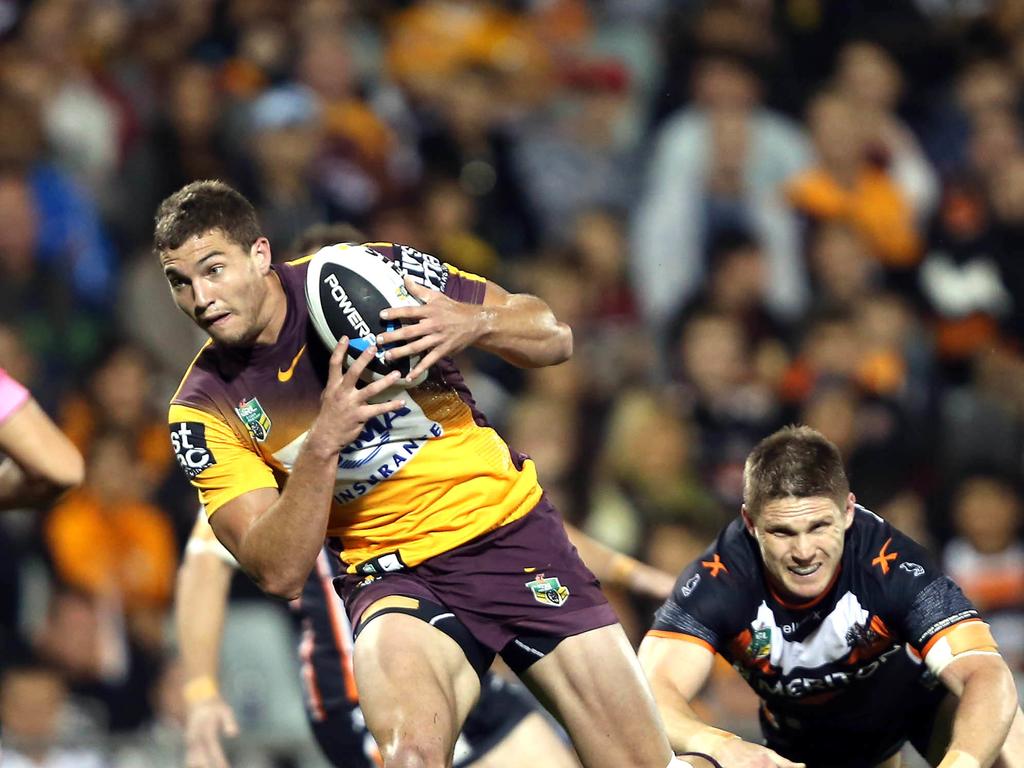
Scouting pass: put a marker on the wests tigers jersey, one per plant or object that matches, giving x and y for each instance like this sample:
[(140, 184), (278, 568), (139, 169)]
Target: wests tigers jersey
[(415, 483), (849, 661)]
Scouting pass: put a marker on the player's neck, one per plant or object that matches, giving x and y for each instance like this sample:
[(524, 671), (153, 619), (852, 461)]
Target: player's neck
[(274, 310)]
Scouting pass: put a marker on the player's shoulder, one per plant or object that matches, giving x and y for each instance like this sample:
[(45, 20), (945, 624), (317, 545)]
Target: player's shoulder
[(728, 564), (201, 382), (886, 553)]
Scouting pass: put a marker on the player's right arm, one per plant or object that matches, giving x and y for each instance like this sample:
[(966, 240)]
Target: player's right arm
[(678, 655), (204, 581), (276, 535), (678, 668), (41, 462)]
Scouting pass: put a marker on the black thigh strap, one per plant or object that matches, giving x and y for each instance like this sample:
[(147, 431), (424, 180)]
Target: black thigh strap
[(523, 651), (478, 656), (709, 758)]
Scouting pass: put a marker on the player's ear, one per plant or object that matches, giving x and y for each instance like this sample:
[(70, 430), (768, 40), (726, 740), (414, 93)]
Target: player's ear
[(748, 521), (851, 501), (260, 251)]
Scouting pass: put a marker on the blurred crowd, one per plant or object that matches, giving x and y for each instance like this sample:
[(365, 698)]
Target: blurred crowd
[(751, 212)]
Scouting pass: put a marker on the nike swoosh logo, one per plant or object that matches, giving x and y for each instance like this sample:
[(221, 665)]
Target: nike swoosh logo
[(286, 374)]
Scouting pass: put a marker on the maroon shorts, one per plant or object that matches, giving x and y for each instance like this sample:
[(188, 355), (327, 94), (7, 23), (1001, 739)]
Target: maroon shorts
[(523, 580)]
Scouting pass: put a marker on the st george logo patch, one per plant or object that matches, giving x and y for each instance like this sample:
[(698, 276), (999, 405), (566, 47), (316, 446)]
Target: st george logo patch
[(255, 418), (548, 591), (188, 438)]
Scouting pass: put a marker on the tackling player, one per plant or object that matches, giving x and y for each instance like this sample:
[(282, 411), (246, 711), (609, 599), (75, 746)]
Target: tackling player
[(41, 462), (452, 552), (853, 639)]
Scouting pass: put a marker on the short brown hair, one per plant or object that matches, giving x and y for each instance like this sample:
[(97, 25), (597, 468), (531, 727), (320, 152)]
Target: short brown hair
[(795, 461), (203, 206)]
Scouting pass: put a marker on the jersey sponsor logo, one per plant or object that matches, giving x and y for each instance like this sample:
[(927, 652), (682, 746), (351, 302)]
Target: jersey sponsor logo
[(548, 591), (423, 268), (255, 418), (188, 438), (913, 569), (884, 558), (830, 682), (690, 585), (714, 565), (381, 450)]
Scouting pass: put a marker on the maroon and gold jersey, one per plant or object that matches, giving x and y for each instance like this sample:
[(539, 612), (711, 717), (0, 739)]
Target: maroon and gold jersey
[(416, 482)]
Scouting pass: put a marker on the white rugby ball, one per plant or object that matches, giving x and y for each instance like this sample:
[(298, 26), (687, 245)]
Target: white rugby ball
[(347, 286)]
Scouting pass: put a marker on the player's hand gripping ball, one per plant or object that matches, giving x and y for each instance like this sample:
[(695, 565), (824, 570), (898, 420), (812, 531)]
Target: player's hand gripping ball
[(347, 286)]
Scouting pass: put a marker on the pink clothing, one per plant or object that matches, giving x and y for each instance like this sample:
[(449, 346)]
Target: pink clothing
[(12, 395)]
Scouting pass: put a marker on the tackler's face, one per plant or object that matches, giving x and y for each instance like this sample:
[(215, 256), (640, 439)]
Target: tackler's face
[(220, 285), (801, 542)]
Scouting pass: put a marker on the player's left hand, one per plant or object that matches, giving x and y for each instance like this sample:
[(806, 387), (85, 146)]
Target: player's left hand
[(206, 722), (438, 327)]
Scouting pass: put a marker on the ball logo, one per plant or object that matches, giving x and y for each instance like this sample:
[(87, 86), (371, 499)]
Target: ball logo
[(350, 312), (188, 438)]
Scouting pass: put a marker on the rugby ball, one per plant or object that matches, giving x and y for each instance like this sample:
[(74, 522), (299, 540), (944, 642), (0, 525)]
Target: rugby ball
[(347, 286)]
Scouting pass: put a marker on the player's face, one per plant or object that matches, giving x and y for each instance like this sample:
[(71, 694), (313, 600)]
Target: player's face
[(801, 542), (222, 286)]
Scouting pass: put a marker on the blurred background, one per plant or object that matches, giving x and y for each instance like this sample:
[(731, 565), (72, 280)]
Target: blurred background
[(751, 212)]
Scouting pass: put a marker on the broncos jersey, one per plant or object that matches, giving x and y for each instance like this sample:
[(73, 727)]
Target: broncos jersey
[(415, 483), (841, 671)]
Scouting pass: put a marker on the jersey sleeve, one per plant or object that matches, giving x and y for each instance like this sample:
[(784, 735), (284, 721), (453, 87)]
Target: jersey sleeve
[(12, 395), (698, 610), (925, 602), (215, 460), (435, 274)]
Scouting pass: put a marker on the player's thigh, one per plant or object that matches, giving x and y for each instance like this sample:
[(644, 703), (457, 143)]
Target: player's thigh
[(532, 742), (415, 683), (594, 683)]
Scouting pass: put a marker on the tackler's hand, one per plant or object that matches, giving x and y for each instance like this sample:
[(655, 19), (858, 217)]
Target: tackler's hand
[(206, 723)]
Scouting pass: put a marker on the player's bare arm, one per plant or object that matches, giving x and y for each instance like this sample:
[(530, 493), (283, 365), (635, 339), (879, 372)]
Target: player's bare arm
[(517, 327), (204, 580), (276, 536), (41, 464), (677, 671), (617, 569), (987, 707)]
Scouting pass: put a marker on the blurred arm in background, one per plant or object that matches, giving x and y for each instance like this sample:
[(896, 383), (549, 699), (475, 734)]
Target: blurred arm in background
[(41, 462)]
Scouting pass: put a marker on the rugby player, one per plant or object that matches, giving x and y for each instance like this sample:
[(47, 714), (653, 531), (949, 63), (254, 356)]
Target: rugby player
[(504, 727), (855, 642), (40, 461), (452, 553)]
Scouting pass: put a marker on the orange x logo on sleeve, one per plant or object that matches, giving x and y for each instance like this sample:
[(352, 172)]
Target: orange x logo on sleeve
[(884, 557), (715, 565)]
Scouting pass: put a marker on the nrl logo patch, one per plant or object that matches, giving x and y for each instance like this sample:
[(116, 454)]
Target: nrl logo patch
[(548, 591), (760, 644), (255, 418)]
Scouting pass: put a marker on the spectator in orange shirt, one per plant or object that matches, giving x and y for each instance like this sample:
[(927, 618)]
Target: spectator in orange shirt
[(107, 540), (845, 186)]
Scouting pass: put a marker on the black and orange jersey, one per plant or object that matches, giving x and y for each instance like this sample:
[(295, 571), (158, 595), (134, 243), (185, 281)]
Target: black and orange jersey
[(416, 482), (849, 660)]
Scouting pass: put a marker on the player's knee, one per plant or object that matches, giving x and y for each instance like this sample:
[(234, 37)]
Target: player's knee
[(411, 754)]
